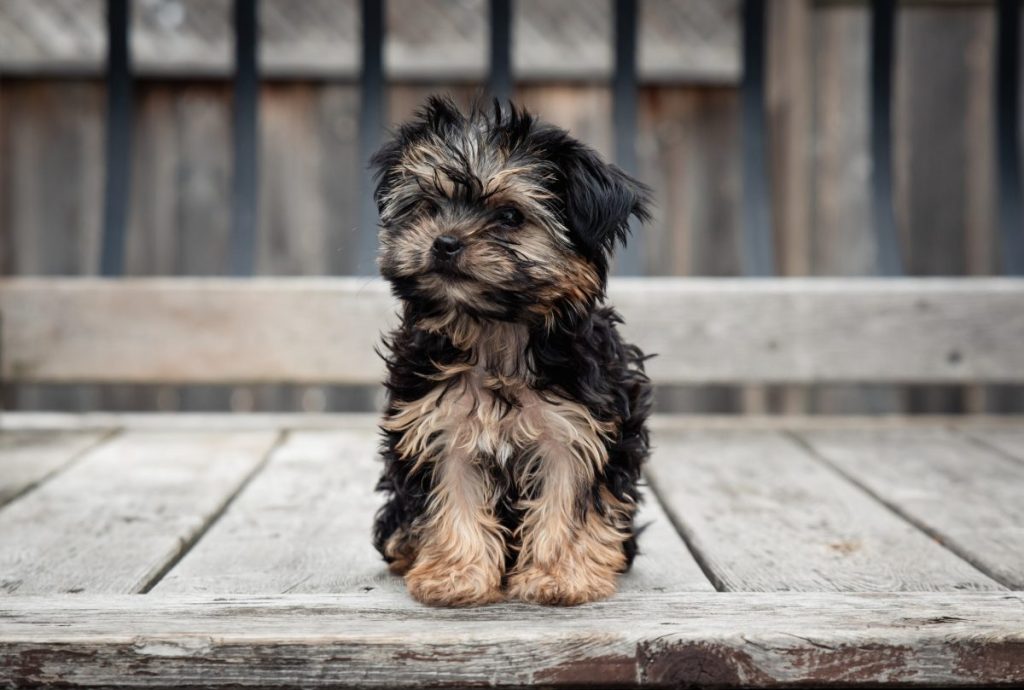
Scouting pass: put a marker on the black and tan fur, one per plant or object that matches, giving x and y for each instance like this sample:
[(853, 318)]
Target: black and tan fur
[(514, 431)]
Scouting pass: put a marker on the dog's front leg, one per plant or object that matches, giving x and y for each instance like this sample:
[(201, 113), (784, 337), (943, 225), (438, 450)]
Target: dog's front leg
[(571, 536), (461, 557)]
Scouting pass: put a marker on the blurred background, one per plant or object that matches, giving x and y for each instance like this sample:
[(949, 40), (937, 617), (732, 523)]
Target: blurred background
[(874, 125)]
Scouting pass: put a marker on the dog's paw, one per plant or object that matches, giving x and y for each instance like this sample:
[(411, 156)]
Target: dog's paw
[(561, 586), (445, 584)]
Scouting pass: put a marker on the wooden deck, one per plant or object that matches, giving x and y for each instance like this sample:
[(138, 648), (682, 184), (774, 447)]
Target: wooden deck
[(234, 551)]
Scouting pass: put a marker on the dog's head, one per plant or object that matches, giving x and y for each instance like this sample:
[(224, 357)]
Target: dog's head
[(494, 215)]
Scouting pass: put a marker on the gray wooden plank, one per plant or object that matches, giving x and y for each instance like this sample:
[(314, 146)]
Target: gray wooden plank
[(812, 330), (764, 515), (120, 515), (704, 330), (968, 497), (30, 457), (663, 562), (303, 525), (382, 640), (247, 332), (1009, 441)]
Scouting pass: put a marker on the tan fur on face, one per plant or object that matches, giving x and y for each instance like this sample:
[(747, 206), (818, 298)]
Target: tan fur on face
[(544, 256)]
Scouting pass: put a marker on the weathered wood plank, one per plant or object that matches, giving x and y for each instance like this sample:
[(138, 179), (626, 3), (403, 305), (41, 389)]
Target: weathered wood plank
[(663, 563), (28, 458), (968, 497), (137, 330), (324, 330), (1009, 441), (114, 520), (380, 640), (764, 515), (814, 330), (303, 525)]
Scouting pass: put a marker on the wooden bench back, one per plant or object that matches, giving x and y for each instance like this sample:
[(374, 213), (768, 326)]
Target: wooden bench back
[(704, 331)]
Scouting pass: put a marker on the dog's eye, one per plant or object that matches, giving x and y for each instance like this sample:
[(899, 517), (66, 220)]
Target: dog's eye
[(429, 208), (509, 217)]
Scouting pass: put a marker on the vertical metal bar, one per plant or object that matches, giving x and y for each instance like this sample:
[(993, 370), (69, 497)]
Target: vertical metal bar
[(1008, 154), (118, 138), (883, 40), (499, 81), (245, 176), (758, 247), (371, 119), (630, 260)]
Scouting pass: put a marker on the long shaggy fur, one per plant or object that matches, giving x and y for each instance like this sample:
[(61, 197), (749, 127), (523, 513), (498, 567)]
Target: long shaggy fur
[(515, 428)]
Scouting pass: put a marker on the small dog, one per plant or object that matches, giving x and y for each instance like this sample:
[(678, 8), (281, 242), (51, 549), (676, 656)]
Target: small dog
[(515, 423)]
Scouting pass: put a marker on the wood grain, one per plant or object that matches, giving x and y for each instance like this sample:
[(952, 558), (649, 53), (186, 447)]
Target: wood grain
[(664, 563), (763, 515), (380, 640), (303, 525), (325, 330), (28, 458), (1009, 441), (968, 497), (815, 330), (195, 331), (114, 520)]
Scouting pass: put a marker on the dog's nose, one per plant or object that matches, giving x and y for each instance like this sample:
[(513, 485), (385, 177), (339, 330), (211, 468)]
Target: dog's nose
[(447, 246)]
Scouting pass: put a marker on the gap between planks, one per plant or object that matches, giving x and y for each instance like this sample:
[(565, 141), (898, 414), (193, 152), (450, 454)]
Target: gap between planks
[(1009, 443), (41, 472), (304, 524), (112, 522), (960, 499), (215, 517), (761, 514)]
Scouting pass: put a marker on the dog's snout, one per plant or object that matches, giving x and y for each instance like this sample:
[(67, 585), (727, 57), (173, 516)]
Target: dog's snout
[(447, 246)]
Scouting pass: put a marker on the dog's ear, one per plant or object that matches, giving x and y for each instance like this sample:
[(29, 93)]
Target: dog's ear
[(599, 199), (385, 164), (436, 117), (439, 114)]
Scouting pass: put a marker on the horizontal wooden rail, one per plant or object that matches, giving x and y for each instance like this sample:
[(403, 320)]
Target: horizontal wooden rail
[(325, 330), (779, 639)]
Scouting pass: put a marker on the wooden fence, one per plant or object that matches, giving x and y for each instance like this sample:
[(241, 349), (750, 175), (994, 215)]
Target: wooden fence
[(952, 185)]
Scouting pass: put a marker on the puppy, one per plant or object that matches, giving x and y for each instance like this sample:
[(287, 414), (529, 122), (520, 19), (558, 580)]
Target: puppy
[(515, 422)]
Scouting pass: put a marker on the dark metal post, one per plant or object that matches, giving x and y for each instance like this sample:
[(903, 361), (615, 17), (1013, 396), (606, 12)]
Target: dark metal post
[(371, 119), (630, 260), (118, 138), (499, 82), (758, 247), (245, 181), (1008, 154), (883, 20)]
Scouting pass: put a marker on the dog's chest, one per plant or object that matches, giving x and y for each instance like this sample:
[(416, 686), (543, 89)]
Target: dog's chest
[(501, 417), (490, 409)]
